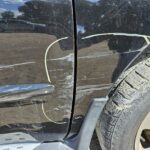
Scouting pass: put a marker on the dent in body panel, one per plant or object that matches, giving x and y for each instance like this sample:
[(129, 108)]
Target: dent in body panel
[(111, 37), (32, 33)]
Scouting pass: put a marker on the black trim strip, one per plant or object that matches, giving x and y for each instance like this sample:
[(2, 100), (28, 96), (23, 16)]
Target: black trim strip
[(75, 66)]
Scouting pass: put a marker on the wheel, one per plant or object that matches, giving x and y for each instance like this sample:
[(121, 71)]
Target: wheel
[(125, 120)]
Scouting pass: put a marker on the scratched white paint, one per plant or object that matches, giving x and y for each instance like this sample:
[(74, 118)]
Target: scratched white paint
[(55, 70), (65, 92), (120, 34), (86, 79), (105, 55), (69, 58), (14, 65), (88, 89), (94, 87), (46, 53)]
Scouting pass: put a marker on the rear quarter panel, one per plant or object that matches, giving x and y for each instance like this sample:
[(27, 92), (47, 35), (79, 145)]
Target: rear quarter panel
[(111, 37)]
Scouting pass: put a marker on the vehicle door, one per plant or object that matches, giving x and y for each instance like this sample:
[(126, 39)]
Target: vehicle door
[(36, 70)]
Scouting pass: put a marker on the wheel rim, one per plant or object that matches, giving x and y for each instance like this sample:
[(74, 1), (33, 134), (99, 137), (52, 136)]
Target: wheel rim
[(142, 141)]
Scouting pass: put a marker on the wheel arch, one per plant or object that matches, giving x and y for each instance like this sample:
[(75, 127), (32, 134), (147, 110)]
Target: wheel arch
[(139, 59)]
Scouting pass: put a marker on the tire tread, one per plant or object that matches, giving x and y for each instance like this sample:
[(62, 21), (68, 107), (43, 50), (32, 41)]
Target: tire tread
[(112, 118)]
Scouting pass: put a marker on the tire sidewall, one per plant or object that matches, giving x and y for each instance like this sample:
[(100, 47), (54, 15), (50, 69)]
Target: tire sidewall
[(129, 122)]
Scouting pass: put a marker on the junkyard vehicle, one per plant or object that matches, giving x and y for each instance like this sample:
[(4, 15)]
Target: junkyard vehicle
[(67, 65)]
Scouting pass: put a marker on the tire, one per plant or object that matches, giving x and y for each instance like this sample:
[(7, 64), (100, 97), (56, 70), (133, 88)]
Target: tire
[(126, 109)]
